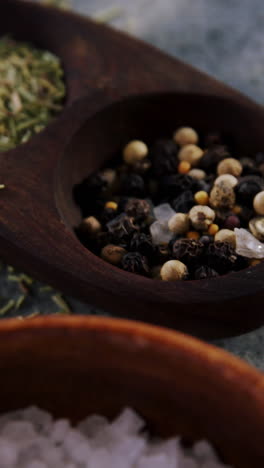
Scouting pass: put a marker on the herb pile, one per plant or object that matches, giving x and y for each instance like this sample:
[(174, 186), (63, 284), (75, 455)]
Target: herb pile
[(175, 210), (32, 90)]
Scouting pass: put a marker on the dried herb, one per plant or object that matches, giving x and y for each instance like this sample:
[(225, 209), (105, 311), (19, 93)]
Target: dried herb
[(32, 90)]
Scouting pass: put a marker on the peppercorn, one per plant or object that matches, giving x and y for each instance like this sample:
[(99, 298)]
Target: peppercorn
[(256, 226), (247, 189), (197, 174), (213, 229), (227, 179), (137, 209), (201, 197), (229, 166), (179, 223), (134, 262), (134, 151), (206, 240), (91, 189), (193, 235), (112, 205), (122, 228), (222, 196), (141, 167), (132, 185), (191, 153), (237, 209), (201, 217), (142, 243), (173, 270), (249, 166), (184, 202), (184, 167), (107, 215), (113, 253), (188, 251), (258, 203), (212, 157), (204, 272), (226, 235), (109, 175), (163, 155), (232, 222), (173, 185), (221, 256), (185, 135), (90, 226)]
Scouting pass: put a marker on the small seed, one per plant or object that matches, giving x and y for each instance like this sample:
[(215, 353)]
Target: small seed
[(201, 197), (227, 179), (258, 203), (113, 254), (173, 270), (193, 235), (190, 153), (134, 151), (213, 229), (226, 235), (230, 166), (184, 167), (198, 174), (179, 223), (185, 135), (91, 226), (201, 217), (111, 205)]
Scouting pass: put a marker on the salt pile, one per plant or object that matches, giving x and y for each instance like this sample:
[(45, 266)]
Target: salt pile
[(30, 438)]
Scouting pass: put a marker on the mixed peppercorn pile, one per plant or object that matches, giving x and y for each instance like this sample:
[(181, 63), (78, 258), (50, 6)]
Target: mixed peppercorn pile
[(171, 210)]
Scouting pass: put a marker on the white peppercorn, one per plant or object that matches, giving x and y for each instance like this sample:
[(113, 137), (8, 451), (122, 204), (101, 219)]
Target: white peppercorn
[(173, 270), (135, 151), (113, 254), (90, 226), (201, 217), (256, 226), (190, 153), (230, 166), (222, 196), (185, 135), (226, 235), (227, 179), (258, 203), (179, 223), (197, 174)]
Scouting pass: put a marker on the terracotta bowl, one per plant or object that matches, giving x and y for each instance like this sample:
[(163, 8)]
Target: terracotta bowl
[(74, 366)]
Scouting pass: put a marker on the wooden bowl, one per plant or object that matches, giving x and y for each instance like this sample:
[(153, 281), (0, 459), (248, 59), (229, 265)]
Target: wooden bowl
[(118, 88), (74, 366)]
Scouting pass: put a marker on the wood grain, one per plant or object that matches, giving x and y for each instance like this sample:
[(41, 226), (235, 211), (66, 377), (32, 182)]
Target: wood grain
[(74, 366), (118, 88)]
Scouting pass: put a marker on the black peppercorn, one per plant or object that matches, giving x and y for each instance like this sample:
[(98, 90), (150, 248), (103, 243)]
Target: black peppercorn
[(121, 228), (142, 243), (213, 156), (221, 256), (204, 272), (188, 251), (247, 188), (137, 209), (173, 185), (132, 185), (163, 155), (134, 262), (90, 194), (206, 240), (107, 215), (184, 202)]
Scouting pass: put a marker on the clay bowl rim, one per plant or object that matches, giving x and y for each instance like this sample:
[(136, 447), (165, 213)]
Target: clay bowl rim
[(156, 336)]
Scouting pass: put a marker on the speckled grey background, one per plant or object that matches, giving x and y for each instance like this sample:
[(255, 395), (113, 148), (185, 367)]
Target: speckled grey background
[(222, 37)]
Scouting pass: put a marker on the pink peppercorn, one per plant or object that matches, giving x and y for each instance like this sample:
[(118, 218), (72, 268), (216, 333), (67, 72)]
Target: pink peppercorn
[(232, 222)]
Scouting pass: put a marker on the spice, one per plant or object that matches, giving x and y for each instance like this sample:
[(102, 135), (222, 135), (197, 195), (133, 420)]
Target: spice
[(134, 151), (256, 226), (190, 153), (179, 223), (158, 209), (173, 270), (113, 254), (230, 166), (258, 203), (186, 135), (31, 91), (201, 217), (90, 226), (134, 262)]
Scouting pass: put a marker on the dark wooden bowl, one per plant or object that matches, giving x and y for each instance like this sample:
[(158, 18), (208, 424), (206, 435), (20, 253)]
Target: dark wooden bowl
[(77, 366), (118, 88)]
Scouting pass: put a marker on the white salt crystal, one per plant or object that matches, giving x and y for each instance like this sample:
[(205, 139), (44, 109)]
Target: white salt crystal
[(247, 245), (59, 430), (21, 432), (160, 233), (128, 422), (37, 464), (8, 454), (41, 420), (152, 461), (163, 213), (203, 450), (92, 425)]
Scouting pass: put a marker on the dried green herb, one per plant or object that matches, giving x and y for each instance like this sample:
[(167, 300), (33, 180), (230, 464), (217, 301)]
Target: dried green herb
[(32, 90), (7, 307)]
